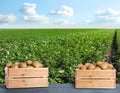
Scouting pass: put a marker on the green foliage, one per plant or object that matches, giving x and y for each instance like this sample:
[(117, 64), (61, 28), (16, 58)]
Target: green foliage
[(59, 49)]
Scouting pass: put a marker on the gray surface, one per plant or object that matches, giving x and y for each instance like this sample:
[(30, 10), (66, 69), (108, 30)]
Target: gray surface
[(59, 88)]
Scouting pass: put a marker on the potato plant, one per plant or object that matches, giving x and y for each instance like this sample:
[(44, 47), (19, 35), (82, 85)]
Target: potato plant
[(59, 49)]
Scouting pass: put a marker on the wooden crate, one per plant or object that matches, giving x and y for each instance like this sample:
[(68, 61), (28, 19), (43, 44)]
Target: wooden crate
[(26, 77), (95, 78)]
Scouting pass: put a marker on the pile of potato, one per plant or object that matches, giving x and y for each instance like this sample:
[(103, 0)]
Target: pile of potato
[(27, 64), (96, 66)]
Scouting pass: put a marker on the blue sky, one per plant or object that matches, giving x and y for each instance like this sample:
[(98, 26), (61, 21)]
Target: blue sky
[(59, 13)]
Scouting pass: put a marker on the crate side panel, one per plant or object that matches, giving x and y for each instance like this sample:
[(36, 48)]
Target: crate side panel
[(27, 83), (94, 73), (95, 83), (28, 72)]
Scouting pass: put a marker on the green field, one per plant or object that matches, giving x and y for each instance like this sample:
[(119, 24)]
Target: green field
[(59, 49)]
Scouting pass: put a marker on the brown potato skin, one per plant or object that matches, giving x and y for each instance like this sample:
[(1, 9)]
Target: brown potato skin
[(79, 66), (104, 65), (22, 65), (91, 67), (83, 67), (9, 64), (14, 66), (96, 66), (110, 66), (87, 64), (98, 63), (17, 63), (36, 64), (29, 62)]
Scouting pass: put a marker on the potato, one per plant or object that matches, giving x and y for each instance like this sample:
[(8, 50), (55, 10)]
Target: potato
[(98, 63), (36, 64), (83, 67), (29, 62), (104, 65), (91, 67), (110, 66), (97, 68), (22, 65), (9, 64), (41, 65), (79, 66), (14, 66), (87, 64), (17, 63)]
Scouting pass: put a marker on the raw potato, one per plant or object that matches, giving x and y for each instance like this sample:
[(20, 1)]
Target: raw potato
[(91, 67), (22, 65), (87, 64), (14, 66), (110, 66), (80, 65), (29, 62), (98, 63), (9, 64), (16, 63), (83, 67), (104, 65), (36, 64), (96, 66)]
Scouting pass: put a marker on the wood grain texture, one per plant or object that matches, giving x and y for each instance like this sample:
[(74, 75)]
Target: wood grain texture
[(96, 73), (95, 79), (26, 77), (95, 83), (27, 83), (27, 72)]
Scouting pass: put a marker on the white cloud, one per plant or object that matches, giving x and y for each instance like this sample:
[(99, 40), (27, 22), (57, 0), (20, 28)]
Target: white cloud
[(108, 11), (108, 15), (62, 22), (64, 10), (31, 15), (29, 9), (36, 18), (7, 18)]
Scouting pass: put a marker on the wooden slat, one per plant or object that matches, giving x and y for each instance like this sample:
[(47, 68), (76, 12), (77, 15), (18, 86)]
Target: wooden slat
[(27, 82), (27, 72), (96, 78), (95, 73), (95, 83)]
